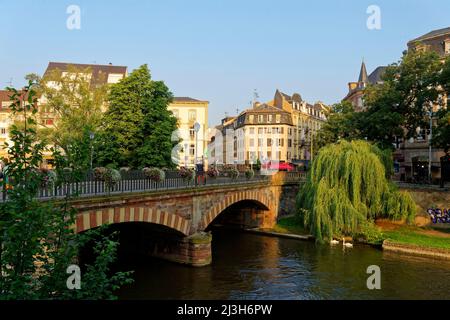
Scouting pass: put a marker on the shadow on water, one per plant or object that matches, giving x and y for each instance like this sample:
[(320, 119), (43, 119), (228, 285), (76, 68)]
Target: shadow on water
[(249, 266)]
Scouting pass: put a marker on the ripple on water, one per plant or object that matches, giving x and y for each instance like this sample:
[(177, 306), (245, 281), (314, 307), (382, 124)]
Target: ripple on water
[(273, 268)]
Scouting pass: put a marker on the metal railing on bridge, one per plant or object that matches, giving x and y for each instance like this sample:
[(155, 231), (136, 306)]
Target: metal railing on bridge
[(135, 181)]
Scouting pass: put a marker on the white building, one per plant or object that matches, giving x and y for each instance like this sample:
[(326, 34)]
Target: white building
[(190, 111)]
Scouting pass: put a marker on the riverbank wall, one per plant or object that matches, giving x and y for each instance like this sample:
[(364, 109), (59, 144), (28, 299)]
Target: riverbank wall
[(426, 198), (416, 250)]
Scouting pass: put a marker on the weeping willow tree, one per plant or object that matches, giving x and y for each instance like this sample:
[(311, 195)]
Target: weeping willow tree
[(347, 187)]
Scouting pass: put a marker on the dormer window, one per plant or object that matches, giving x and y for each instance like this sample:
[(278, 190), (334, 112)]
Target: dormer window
[(447, 46)]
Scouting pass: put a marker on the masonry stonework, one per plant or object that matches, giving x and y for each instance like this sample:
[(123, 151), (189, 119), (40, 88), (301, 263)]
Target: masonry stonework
[(189, 212)]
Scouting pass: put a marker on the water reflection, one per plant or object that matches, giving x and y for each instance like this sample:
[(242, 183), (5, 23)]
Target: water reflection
[(247, 266)]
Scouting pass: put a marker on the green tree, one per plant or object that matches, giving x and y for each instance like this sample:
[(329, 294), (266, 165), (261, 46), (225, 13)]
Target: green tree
[(346, 189), (342, 123), (75, 107), (37, 241), (33, 77), (158, 126), (137, 128), (441, 135), (398, 106)]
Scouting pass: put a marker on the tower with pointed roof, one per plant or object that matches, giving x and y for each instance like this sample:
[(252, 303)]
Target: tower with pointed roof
[(362, 80), (356, 89)]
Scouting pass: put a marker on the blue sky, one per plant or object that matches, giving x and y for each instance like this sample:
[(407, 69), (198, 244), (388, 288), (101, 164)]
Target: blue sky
[(218, 50)]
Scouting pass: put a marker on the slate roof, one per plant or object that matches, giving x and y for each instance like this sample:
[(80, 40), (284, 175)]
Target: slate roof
[(375, 76), (99, 72), (432, 34), (186, 99), (363, 73)]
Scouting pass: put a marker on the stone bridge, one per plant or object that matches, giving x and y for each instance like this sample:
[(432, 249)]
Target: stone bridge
[(173, 224)]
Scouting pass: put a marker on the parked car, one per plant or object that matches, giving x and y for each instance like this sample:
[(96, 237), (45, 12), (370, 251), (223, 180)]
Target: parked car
[(280, 166)]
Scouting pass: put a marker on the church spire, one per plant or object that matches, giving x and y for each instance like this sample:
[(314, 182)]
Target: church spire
[(363, 73)]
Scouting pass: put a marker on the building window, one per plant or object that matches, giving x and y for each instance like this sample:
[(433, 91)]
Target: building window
[(192, 132), (260, 130), (176, 113), (447, 46), (3, 130), (252, 142), (260, 118), (269, 142), (192, 116), (260, 142), (251, 118), (192, 150), (252, 130), (289, 143), (278, 118), (270, 118)]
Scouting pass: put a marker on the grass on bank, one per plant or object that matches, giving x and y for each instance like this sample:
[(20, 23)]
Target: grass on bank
[(290, 225), (422, 237)]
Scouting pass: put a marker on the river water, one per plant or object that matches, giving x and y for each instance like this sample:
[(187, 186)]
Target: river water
[(249, 266)]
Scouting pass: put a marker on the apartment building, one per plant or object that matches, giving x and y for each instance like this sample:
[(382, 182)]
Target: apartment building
[(412, 156), (307, 120), (189, 112), (5, 121)]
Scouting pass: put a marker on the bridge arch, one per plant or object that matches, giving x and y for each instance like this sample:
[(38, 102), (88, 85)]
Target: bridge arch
[(218, 208), (94, 218)]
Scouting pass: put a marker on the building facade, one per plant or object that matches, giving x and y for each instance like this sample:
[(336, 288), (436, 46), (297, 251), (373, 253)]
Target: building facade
[(307, 120), (6, 120), (280, 130), (193, 146), (411, 157), (355, 93)]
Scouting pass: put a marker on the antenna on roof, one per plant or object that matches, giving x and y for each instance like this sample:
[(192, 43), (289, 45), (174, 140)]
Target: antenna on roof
[(255, 96), (10, 82), (237, 111)]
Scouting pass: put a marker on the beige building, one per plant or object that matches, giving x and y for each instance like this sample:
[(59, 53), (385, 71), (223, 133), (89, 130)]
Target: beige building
[(263, 132), (221, 144), (5, 122), (190, 111), (280, 131), (307, 119)]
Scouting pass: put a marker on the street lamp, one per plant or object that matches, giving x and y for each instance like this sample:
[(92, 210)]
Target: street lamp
[(196, 129), (91, 137)]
